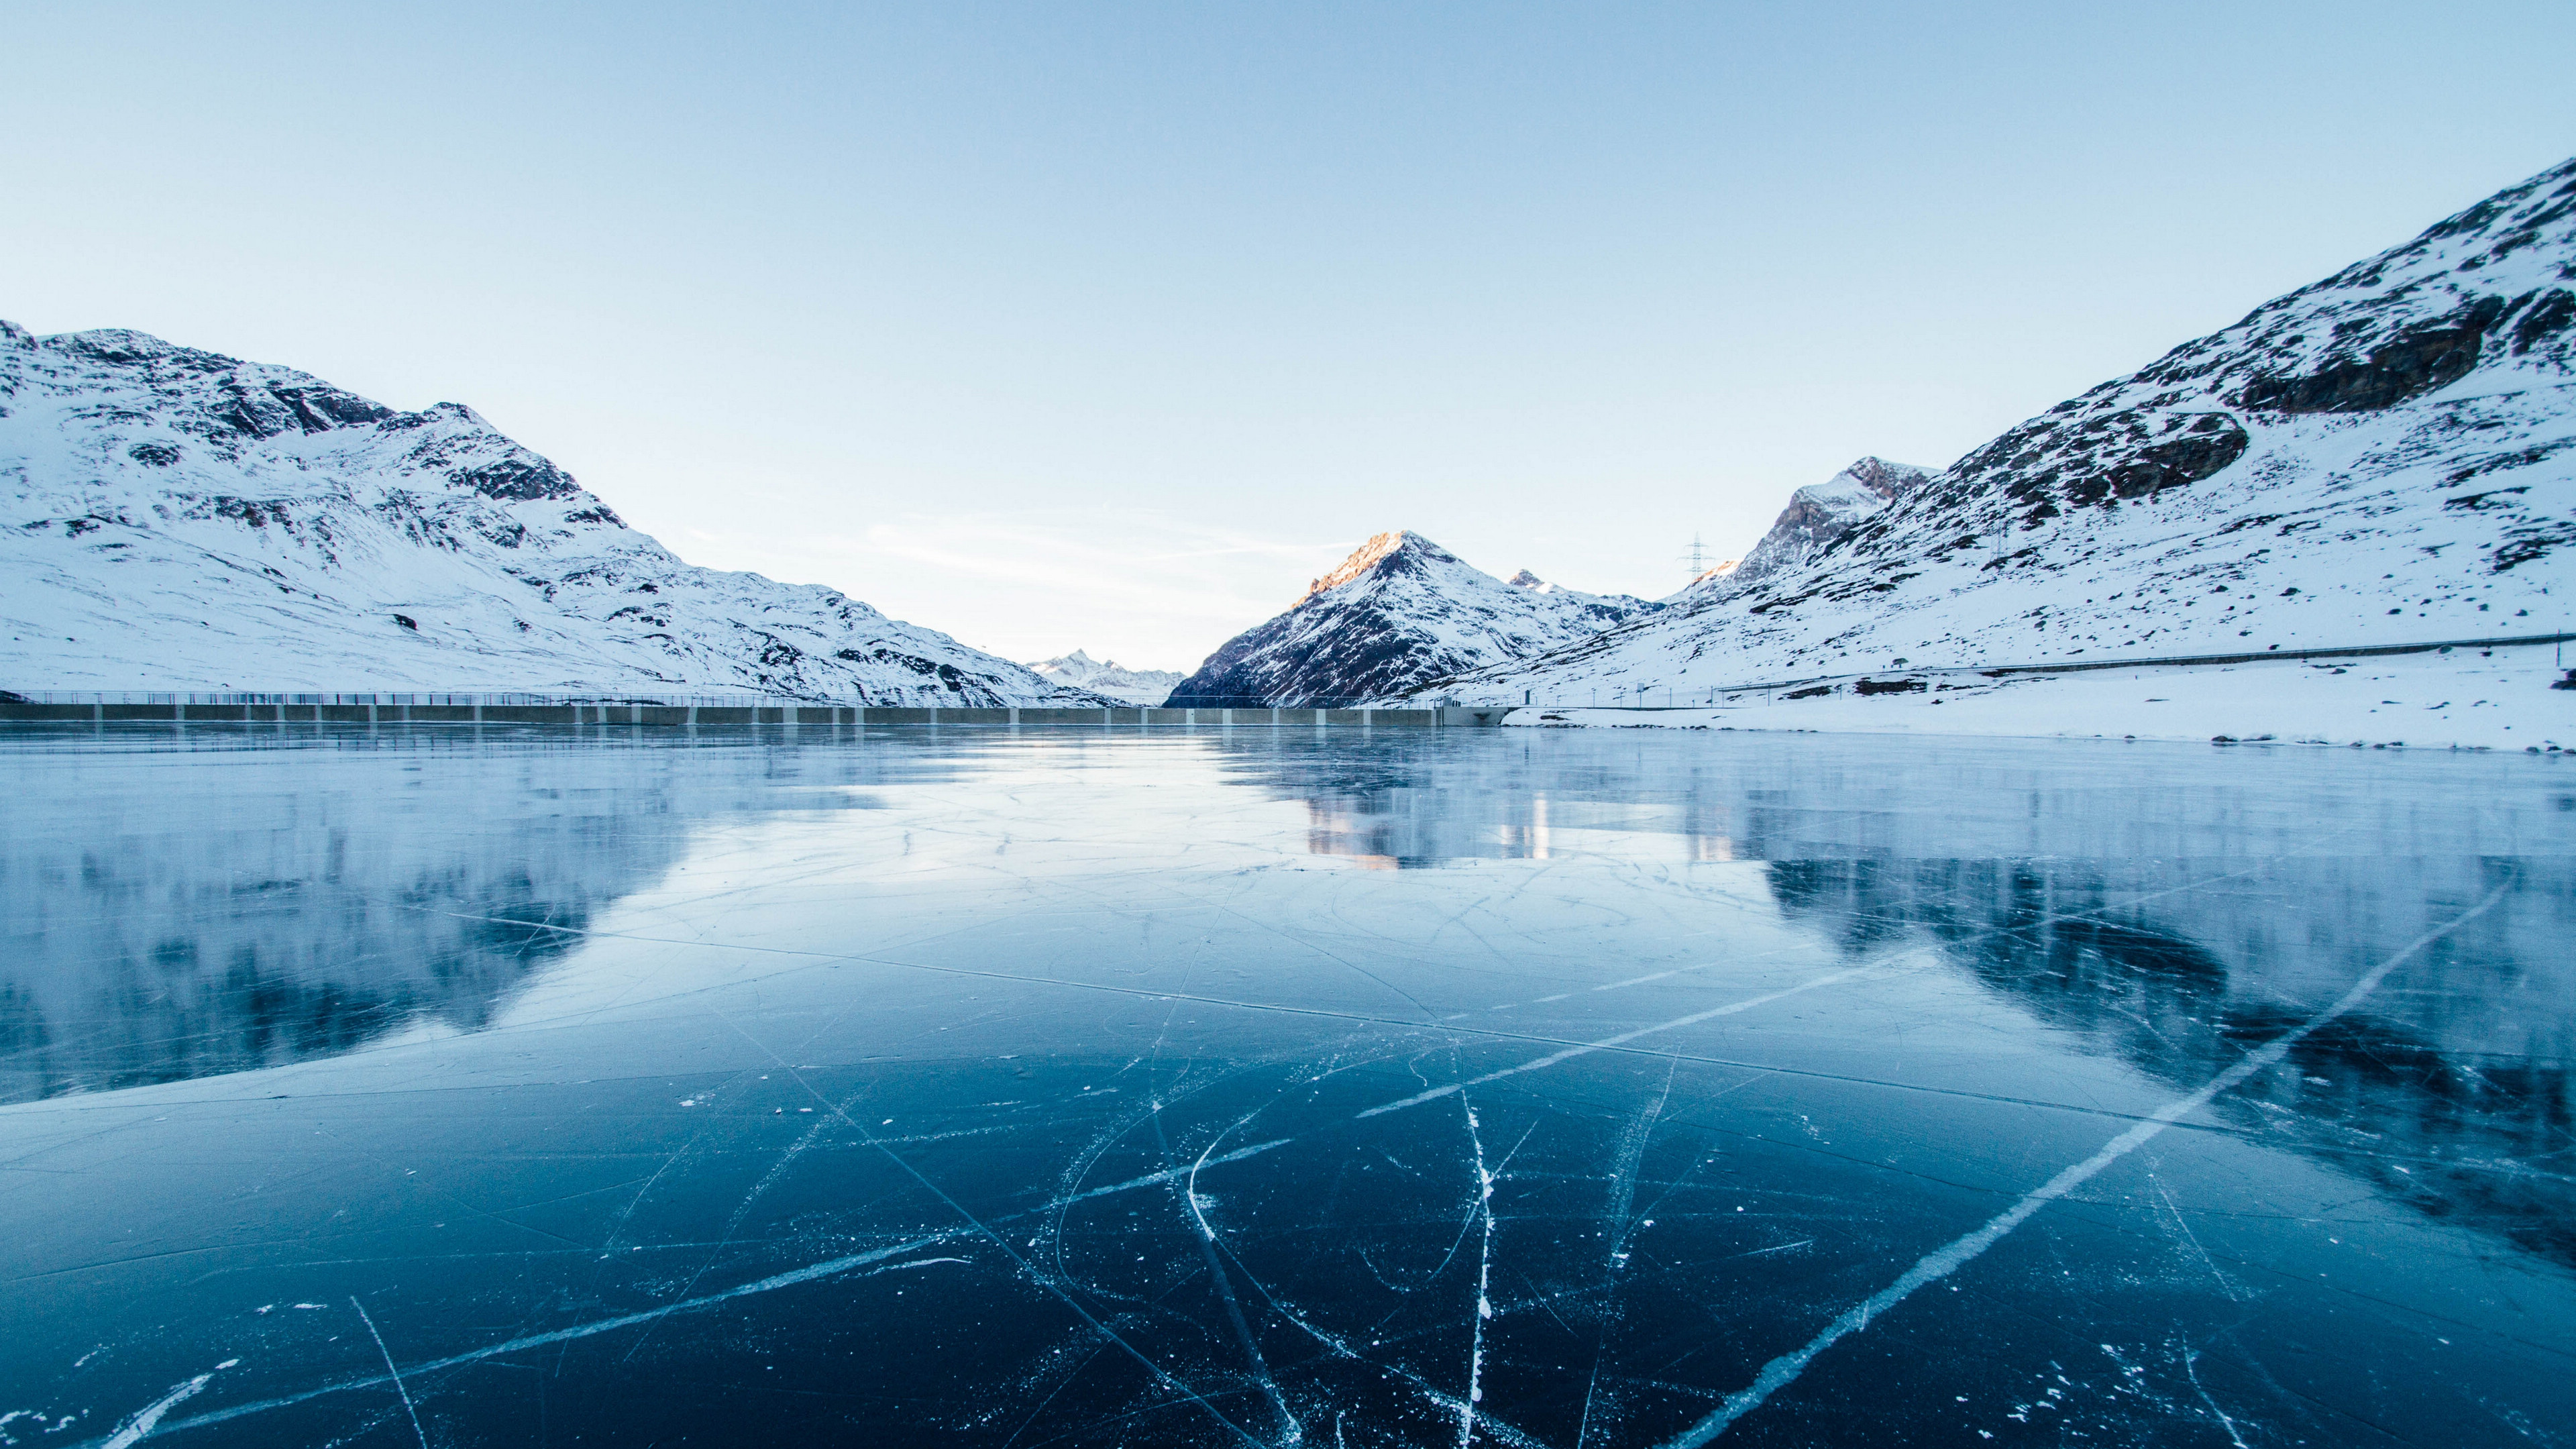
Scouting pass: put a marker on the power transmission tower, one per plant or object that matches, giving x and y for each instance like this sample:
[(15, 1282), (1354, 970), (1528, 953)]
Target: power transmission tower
[(1697, 558)]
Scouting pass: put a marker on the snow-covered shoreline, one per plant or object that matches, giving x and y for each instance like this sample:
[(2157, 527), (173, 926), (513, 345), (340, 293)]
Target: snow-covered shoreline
[(2469, 699)]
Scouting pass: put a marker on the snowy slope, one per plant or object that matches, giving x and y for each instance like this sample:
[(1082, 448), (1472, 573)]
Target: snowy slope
[(1399, 611), (2387, 456), (1107, 677), (181, 520)]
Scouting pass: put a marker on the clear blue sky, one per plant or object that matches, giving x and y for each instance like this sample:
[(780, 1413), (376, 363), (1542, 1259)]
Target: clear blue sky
[(1108, 326)]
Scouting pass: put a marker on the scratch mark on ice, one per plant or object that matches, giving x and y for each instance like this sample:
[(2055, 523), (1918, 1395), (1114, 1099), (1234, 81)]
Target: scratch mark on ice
[(789, 1279), (1294, 1428), (1169, 1174), (1609, 1043), (2191, 1370), (369, 1319), (1484, 1285), (144, 1423)]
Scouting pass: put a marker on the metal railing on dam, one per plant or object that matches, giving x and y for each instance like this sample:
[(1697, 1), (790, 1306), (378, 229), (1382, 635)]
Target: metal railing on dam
[(283, 707), (113, 707)]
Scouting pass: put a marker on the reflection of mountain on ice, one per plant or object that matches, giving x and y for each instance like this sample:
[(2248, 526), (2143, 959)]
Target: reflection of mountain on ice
[(2425, 1090), (182, 914), (2174, 928)]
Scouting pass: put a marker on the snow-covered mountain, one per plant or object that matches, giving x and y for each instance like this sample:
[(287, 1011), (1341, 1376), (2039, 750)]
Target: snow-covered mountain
[(183, 520), (1107, 677), (1401, 610), (2386, 456)]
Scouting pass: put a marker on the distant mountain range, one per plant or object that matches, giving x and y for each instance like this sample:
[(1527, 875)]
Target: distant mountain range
[(1400, 612), (2387, 456), (183, 520), (1079, 670)]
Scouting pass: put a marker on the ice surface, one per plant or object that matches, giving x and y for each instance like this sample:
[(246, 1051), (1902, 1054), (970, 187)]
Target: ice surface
[(1113, 1087)]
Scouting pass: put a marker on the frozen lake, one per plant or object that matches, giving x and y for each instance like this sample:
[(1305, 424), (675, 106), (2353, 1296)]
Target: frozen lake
[(1076, 1088)]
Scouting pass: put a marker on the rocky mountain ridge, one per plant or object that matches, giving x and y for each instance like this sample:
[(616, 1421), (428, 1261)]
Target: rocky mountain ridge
[(179, 519), (2386, 456)]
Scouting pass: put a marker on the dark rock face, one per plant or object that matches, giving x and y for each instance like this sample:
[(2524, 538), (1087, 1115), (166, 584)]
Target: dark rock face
[(2544, 319), (2414, 362), (159, 455), (2211, 444), (520, 480)]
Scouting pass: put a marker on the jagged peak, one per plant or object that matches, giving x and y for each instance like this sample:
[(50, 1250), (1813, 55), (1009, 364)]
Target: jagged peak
[(1526, 580), (1372, 555), (111, 344), (1879, 476)]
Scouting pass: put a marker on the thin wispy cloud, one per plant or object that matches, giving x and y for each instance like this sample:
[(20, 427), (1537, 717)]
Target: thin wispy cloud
[(1156, 589)]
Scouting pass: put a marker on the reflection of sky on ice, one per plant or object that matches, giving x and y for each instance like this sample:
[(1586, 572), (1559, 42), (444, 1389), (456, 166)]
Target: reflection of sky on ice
[(1538, 1088)]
